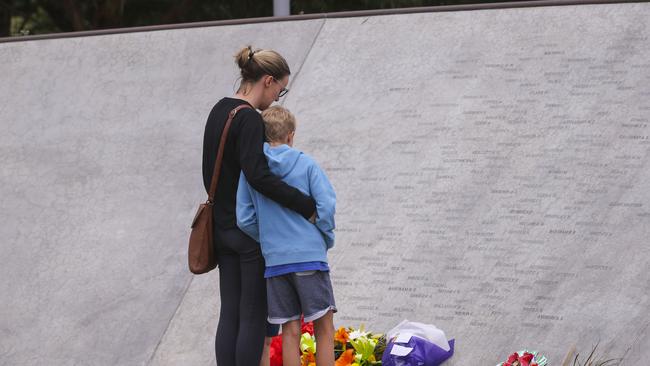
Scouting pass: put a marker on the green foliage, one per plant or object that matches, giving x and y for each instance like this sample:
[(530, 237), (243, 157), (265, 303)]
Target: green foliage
[(52, 16), (593, 361)]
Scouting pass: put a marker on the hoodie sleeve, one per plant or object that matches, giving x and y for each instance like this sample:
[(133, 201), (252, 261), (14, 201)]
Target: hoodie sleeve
[(325, 197), (246, 214), (256, 168)]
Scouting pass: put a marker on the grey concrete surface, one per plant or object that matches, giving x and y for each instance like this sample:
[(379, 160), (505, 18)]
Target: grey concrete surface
[(492, 174), (491, 170), (100, 140)]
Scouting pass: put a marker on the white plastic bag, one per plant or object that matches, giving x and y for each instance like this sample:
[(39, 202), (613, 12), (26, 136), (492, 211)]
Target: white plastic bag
[(407, 329)]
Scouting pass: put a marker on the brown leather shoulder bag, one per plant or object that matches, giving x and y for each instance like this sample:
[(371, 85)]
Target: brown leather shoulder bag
[(200, 254)]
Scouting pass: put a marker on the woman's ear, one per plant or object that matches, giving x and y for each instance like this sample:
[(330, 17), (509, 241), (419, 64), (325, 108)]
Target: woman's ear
[(268, 80)]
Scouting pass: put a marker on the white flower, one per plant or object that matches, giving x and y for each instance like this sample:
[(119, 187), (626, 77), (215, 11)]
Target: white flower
[(358, 334)]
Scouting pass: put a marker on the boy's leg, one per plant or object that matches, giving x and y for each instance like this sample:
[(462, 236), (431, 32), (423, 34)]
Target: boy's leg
[(317, 302), (284, 308), (271, 331), (291, 343), (324, 332), (266, 352)]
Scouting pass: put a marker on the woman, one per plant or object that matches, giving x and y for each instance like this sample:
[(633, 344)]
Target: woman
[(242, 321)]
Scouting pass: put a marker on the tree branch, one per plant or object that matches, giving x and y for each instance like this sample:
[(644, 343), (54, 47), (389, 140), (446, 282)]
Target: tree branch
[(177, 13), (5, 17), (73, 14)]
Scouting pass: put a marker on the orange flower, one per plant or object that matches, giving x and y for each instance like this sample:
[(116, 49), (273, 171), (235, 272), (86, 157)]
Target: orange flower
[(342, 336), (307, 359), (346, 358)]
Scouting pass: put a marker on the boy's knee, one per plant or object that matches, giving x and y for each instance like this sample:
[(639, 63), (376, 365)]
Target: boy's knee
[(291, 329), (324, 325), (324, 329)]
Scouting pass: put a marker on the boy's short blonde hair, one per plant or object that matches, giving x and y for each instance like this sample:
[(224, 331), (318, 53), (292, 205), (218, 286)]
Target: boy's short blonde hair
[(278, 123)]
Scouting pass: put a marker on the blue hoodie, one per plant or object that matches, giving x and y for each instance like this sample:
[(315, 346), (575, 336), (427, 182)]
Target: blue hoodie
[(285, 236)]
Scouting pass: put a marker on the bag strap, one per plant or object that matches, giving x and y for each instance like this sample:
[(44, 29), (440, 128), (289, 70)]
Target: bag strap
[(217, 164)]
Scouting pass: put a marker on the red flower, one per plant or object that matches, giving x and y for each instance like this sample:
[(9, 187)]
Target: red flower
[(511, 360), (276, 351), (516, 360), (306, 327)]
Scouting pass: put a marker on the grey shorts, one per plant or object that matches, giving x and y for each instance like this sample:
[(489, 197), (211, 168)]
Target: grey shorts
[(306, 293)]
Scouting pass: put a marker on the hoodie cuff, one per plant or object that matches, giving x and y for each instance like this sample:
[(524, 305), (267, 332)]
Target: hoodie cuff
[(307, 207)]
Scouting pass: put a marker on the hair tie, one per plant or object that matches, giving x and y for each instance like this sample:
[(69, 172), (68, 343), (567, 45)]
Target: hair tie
[(250, 54)]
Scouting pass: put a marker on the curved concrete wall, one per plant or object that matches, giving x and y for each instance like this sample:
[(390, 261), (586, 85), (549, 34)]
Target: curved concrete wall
[(491, 170), (101, 147)]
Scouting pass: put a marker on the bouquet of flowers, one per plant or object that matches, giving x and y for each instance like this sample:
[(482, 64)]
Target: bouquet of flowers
[(352, 347), (356, 347), (525, 358)]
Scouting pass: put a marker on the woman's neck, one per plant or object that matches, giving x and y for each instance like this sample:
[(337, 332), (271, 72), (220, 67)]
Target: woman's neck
[(249, 92), (249, 98)]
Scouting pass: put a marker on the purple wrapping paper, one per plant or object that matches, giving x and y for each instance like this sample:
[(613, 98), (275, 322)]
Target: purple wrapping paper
[(424, 353)]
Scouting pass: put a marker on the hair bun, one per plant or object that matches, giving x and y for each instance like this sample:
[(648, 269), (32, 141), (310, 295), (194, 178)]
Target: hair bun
[(243, 56), (255, 63)]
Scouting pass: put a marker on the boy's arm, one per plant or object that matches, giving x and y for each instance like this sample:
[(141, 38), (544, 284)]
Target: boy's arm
[(323, 192), (256, 168), (246, 215)]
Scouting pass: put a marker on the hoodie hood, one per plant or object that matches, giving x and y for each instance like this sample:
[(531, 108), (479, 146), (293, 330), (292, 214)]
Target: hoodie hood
[(282, 159)]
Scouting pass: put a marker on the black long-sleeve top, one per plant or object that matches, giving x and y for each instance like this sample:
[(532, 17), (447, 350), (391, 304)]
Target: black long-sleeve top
[(243, 152)]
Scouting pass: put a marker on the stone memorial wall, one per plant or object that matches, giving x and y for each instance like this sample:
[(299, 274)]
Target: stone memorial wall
[(491, 169), (492, 174)]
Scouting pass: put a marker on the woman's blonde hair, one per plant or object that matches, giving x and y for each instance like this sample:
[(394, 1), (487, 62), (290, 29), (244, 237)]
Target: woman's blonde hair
[(278, 123), (254, 64)]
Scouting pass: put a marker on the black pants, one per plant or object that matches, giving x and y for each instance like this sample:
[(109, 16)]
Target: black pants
[(242, 321)]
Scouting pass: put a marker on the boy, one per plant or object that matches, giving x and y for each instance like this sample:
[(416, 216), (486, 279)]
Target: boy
[(295, 250)]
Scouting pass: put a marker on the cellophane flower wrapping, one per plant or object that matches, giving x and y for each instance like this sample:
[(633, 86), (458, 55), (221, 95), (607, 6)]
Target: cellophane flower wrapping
[(417, 344)]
